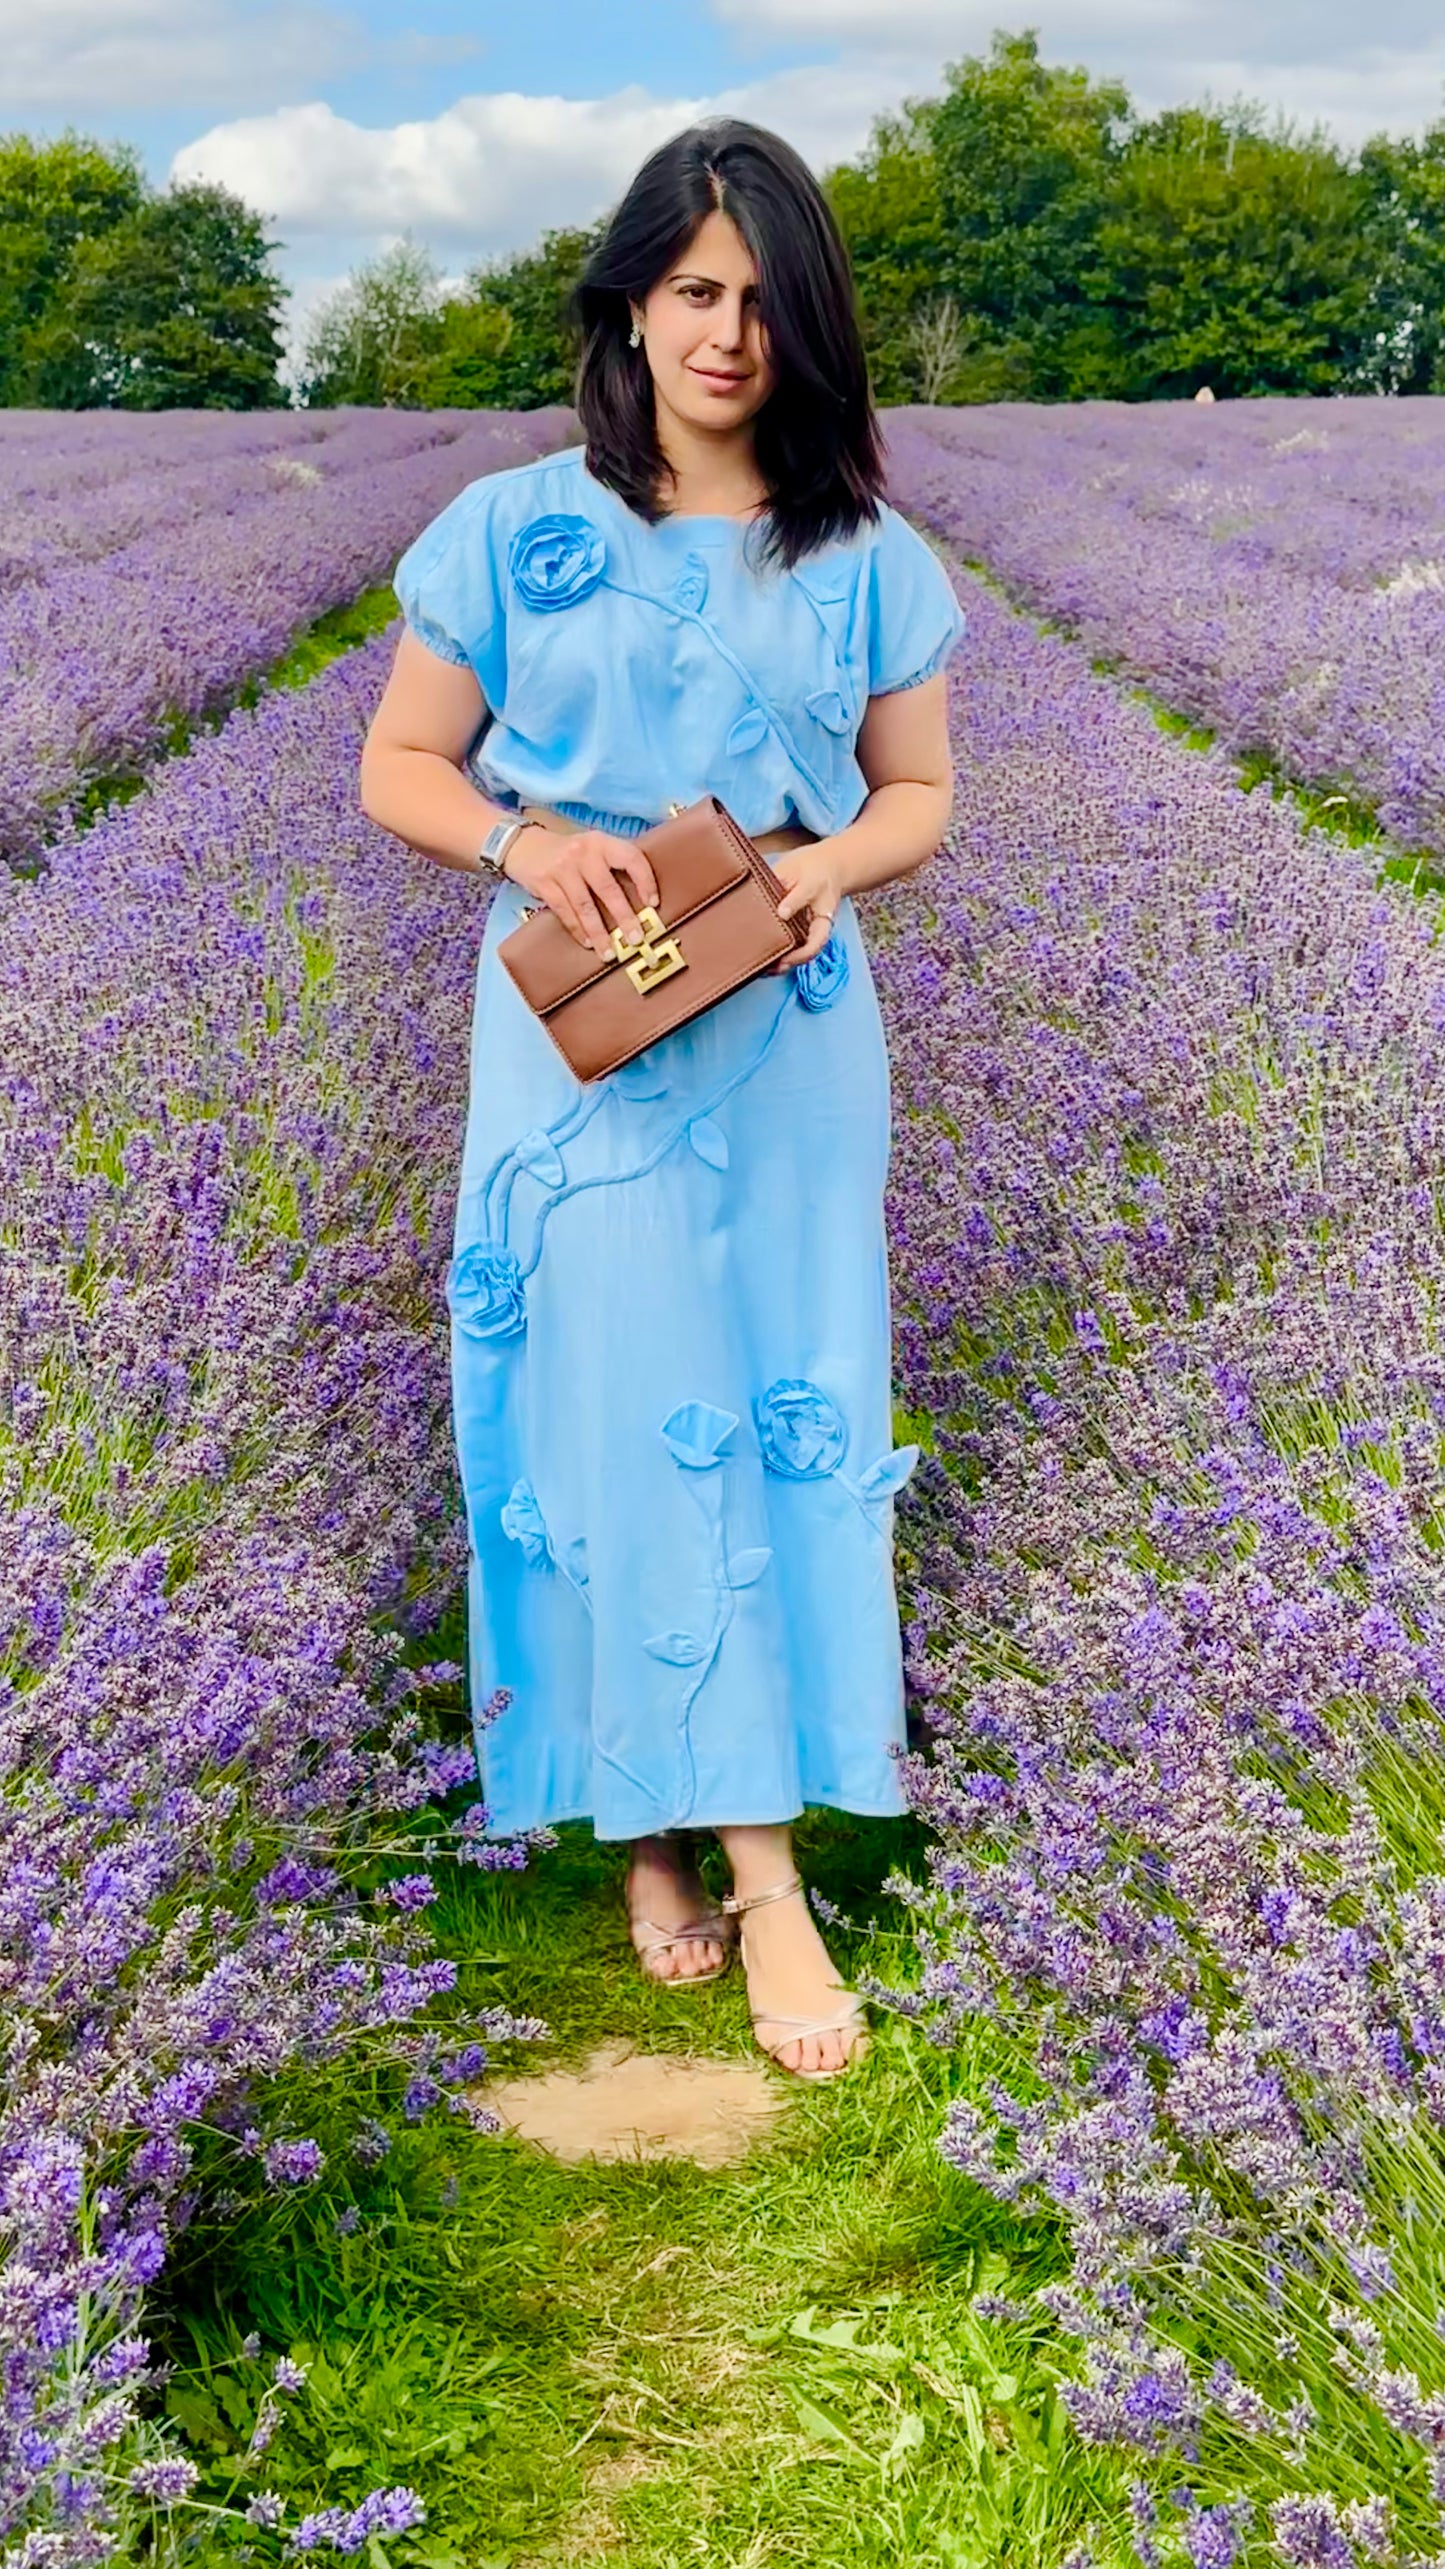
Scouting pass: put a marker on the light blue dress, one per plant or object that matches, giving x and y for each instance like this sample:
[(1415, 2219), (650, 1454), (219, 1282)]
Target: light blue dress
[(669, 1295)]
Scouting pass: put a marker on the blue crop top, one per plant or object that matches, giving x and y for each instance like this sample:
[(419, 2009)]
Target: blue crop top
[(627, 666)]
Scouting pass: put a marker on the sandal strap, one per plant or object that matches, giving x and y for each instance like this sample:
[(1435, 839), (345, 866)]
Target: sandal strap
[(733, 1907), (845, 2023), (711, 1929)]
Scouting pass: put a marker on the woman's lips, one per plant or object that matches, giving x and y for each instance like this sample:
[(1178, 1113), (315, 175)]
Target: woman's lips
[(712, 375)]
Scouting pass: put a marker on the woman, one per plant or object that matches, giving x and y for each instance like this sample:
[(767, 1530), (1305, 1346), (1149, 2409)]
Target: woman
[(670, 1293)]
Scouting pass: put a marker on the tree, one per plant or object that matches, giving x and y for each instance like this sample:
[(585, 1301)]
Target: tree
[(175, 306), (471, 366), (1024, 162), (1403, 345), (886, 207), (370, 340), (1233, 254), (54, 198), (535, 362), (935, 340)]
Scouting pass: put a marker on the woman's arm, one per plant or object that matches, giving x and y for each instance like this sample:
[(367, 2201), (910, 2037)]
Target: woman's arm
[(412, 782), (907, 763)]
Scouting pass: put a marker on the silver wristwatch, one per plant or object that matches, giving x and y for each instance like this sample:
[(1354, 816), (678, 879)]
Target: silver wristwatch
[(496, 843)]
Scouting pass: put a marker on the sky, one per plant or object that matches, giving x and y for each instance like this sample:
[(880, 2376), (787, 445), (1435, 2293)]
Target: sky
[(473, 126)]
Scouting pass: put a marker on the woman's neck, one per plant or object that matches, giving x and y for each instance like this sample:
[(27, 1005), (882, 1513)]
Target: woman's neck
[(709, 476)]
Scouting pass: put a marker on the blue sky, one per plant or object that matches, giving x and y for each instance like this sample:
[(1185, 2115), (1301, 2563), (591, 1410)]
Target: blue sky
[(471, 125)]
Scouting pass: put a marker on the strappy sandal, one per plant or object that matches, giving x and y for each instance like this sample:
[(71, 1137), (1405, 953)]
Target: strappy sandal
[(711, 1928), (845, 2022)]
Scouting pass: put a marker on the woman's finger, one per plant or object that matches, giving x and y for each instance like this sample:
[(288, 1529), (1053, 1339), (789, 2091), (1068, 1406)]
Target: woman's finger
[(643, 880), (597, 872), (557, 897)]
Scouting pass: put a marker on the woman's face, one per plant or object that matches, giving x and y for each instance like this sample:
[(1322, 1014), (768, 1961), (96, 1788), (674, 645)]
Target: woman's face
[(700, 328)]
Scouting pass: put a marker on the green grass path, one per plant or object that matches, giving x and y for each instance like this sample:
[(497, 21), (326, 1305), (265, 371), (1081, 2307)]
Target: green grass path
[(654, 2364)]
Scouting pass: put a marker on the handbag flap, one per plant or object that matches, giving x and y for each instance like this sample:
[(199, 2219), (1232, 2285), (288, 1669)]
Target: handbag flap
[(694, 856)]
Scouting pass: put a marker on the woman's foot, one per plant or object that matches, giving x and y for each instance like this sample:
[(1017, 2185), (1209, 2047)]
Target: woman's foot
[(676, 1931), (789, 1970)]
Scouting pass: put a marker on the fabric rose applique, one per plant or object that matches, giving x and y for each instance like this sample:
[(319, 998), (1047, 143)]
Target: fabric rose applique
[(819, 980), (485, 1293), (523, 1521), (554, 561), (801, 1431)]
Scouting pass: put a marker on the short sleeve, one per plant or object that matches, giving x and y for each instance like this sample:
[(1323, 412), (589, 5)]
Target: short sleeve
[(449, 587), (915, 622)]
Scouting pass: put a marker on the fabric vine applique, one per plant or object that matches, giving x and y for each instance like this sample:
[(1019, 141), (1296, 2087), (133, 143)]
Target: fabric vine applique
[(696, 1435), (690, 587), (804, 1437), (555, 560), (823, 977), (485, 1293)]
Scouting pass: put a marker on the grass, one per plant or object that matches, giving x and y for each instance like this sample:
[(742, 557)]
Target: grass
[(651, 2363), (340, 629)]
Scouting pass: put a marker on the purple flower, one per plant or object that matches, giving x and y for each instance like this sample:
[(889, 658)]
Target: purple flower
[(292, 2162)]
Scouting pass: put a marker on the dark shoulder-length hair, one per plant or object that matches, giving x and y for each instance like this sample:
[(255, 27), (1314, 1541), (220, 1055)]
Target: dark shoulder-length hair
[(816, 437)]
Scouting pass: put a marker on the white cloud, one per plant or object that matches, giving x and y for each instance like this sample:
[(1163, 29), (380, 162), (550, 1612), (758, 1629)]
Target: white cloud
[(1381, 92), (78, 56), (1314, 60), (494, 170)]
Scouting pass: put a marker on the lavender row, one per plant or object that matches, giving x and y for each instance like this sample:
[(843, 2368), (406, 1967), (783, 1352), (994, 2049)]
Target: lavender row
[(66, 507), (1275, 570), (1166, 1218), (98, 660), (232, 1071)]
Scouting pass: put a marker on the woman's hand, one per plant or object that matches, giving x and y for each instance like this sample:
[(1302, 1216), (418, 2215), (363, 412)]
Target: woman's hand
[(576, 876), (814, 879)]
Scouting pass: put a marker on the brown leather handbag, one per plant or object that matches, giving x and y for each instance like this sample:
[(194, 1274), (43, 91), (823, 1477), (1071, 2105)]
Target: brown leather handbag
[(715, 926)]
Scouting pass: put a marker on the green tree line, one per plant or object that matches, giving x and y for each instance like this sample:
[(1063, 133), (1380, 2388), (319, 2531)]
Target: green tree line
[(1025, 234)]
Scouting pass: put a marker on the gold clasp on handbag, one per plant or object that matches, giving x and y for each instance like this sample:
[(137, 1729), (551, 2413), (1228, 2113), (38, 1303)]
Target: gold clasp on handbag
[(655, 957)]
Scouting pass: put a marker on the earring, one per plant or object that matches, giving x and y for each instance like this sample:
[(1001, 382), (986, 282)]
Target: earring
[(636, 335)]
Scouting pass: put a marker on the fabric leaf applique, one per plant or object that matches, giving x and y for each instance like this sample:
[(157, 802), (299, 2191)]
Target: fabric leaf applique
[(709, 1141), (750, 728), (694, 1433), (746, 1567), (889, 1472), (827, 707), (538, 1153), (676, 1649)]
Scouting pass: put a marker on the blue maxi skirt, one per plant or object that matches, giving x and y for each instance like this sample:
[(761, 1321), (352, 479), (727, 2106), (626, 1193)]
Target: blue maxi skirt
[(671, 1347)]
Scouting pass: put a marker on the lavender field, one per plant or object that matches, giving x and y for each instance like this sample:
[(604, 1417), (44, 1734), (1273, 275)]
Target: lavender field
[(146, 575), (1273, 569), (1169, 1275)]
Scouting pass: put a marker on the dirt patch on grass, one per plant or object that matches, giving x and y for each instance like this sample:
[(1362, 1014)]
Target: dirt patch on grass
[(626, 2104)]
